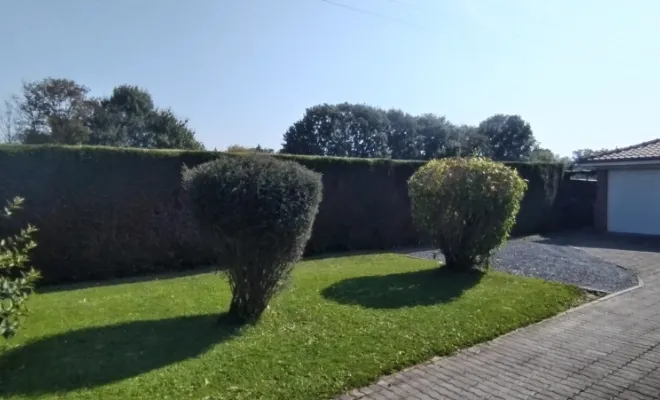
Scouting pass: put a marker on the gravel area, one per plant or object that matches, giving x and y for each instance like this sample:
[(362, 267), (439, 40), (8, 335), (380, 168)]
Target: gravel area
[(552, 262)]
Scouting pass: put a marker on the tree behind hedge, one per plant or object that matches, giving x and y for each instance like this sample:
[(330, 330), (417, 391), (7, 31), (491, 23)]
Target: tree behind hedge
[(510, 137), (466, 207), (358, 130), (344, 130), (129, 118), (60, 111), (259, 212)]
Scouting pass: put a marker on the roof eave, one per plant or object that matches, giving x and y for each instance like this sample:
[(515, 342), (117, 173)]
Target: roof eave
[(619, 163)]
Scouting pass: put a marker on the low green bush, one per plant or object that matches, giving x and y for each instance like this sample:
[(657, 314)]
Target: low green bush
[(258, 213), (466, 207), (16, 277)]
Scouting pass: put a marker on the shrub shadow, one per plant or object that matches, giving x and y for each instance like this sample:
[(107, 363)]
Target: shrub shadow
[(97, 356), (409, 289)]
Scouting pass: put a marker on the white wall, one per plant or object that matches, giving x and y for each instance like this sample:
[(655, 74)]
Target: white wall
[(633, 201)]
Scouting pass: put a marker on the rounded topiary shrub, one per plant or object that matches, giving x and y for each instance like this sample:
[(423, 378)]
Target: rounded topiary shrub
[(466, 207), (259, 213)]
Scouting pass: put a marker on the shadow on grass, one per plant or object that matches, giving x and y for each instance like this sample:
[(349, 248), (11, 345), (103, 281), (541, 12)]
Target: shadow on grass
[(62, 287), (101, 355), (409, 289)]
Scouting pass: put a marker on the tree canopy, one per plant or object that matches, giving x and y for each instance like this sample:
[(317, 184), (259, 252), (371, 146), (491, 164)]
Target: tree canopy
[(584, 153), (348, 130), (60, 111), (509, 136), (53, 111), (237, 148), (358, 130)]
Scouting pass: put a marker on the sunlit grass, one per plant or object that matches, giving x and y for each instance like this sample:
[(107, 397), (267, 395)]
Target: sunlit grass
[(341, 323)]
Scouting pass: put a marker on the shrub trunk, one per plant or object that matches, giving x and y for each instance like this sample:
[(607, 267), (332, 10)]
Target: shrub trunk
[(245, 308), (458, 262)]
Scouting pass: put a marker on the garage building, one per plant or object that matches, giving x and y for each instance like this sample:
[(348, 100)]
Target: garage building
[(628, 199)]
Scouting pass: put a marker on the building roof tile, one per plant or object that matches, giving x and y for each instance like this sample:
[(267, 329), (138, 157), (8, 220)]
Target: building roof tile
[(640, 152)]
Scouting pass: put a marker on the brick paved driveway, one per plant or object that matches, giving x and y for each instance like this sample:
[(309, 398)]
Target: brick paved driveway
[(606, 350)]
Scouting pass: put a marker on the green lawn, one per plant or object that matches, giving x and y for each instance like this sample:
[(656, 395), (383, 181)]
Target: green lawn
[(343, 322)]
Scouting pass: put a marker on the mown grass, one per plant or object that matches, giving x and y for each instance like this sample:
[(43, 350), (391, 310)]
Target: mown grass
[(343, 322)]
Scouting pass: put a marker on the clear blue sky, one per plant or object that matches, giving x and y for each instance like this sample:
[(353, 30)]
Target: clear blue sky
[(584, 73)]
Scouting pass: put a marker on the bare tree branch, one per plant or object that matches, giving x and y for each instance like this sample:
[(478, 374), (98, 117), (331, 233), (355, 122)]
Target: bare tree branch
[(9, 121)]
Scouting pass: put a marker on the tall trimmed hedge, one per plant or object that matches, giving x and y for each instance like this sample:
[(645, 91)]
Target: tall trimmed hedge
[(108, 212), (543, 181)]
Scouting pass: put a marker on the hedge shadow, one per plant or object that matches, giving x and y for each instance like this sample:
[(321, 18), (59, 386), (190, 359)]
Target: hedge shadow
[(98, 356)]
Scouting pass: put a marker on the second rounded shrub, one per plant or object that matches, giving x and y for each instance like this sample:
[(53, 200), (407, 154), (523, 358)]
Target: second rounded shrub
[(259, 213), (466, 207)]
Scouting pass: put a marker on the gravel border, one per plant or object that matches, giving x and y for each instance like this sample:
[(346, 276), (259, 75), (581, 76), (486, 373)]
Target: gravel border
[(553, 262)]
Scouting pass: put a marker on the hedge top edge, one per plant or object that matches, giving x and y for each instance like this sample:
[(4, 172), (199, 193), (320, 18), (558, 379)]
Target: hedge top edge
[(18, 148)]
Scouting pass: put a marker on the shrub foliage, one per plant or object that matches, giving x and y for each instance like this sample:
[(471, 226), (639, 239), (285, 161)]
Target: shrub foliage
[(258, 212), (16, 278), (467, 207)]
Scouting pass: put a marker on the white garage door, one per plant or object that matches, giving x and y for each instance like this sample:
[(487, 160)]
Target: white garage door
[(633, 201)]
